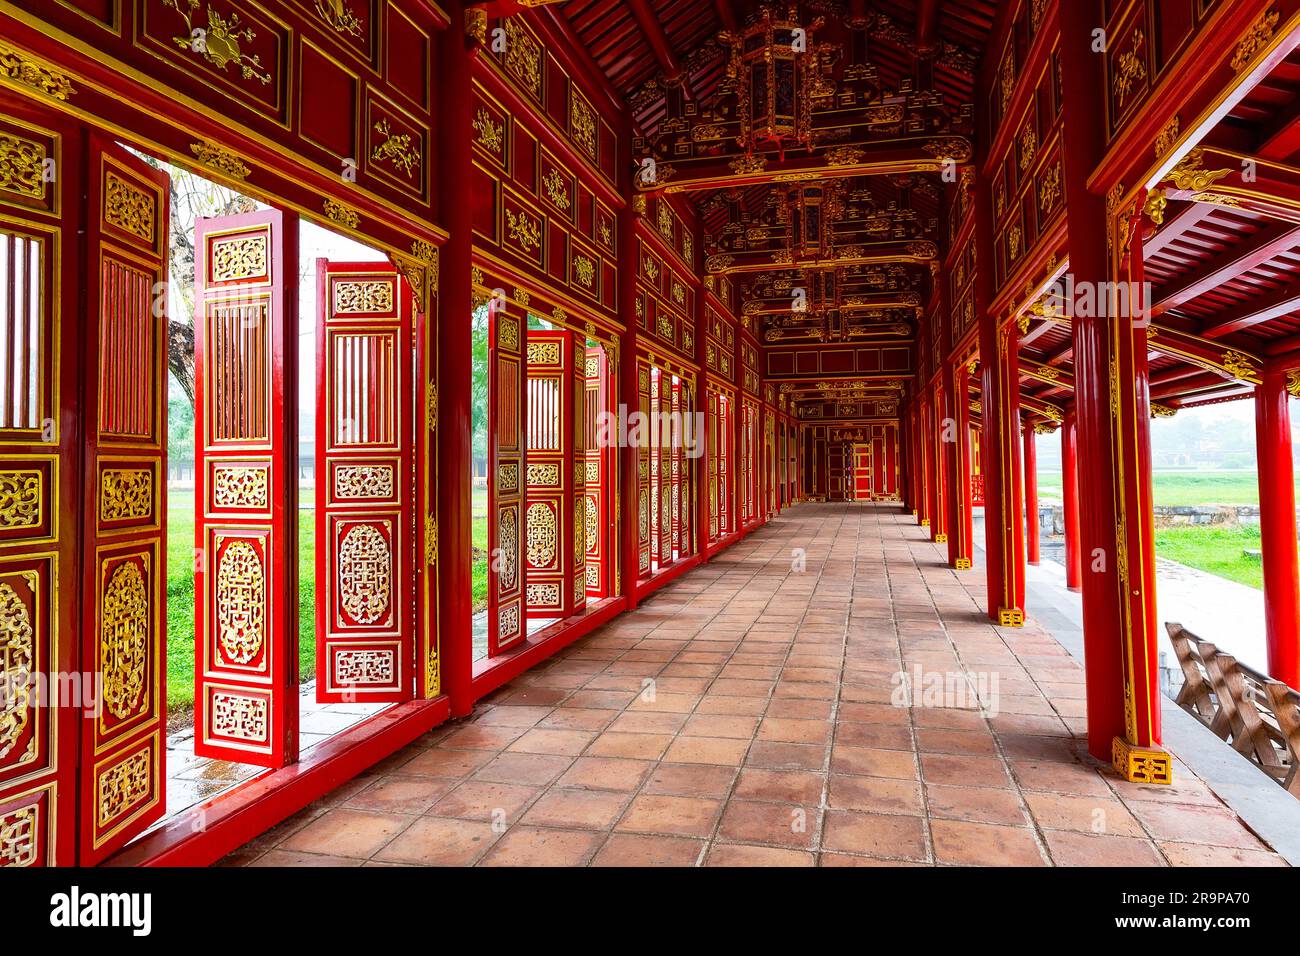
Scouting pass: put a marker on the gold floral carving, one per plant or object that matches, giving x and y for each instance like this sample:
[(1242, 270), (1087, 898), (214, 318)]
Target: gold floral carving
[(544, 474), (18, 837), (125, 493), (1028, 147), (543, 595), (17, 667), (239, 486), (243, 257), (524, 230), (1167, 137), (241, 602), (16, 66), (543, 353), (128, 208), (363, 481), (124, 639), (1239, 365), (397, 149), (745, 165), (218, 43), (523, 57), (1155, 206), (557, 189), (583, 123), (585, 270), (20, 499), (541, 537), (339, 16), (1049, 190), (22, 166), (1191, 174), (122, 786), (222, 160), (508, 542), (1256, 38), (1132, 70), (508, 333), (1293, 382), (337, 212), (365, 574), (1161, 411), (491, 136), (363, 295)]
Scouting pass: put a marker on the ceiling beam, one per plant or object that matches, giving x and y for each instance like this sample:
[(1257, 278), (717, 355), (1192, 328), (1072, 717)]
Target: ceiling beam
[(727, 14), (658, 40), (1274, 239), (1254, 311), (927, 28)]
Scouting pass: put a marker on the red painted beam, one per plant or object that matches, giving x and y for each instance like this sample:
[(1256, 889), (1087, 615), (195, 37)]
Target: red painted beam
[(727, 14), (1256, 311), (657, 38), (1274, 239), (927, 28)]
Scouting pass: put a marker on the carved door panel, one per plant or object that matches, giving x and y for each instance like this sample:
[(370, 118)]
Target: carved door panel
[(726, 447), (678, 544), (548, 517), (124, 626), (41, 267), (576, 463), (711, 423), (645, 461), (597, 470), (664, 458), (365, 517), (506, 474), (246, 489), (862, 472)]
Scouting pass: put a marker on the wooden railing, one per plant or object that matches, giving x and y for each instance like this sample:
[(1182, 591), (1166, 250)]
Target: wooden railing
[(1259, 716)]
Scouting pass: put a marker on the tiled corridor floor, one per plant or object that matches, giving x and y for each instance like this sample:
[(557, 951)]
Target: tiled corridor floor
[(744, 716)]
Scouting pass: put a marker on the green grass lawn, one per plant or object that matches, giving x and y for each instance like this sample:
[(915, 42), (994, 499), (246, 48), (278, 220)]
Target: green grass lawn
[(180, 598), (1181, 488), (1216, 550)]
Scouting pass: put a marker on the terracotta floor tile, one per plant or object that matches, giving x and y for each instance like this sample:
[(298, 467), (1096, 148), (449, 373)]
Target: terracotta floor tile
[(512, 716), (350, 833), (634, 746), (1192, 854), (527, 769), (647, 722), (634, 849), (975, 805), (605, 773), (547, 741), (864, 761), (875, 795), (526, 846), (678, 816), (1213, 826), (718, 725), (780, 824), (771, 755), (1088, 849), (728, 854), (436, 841), (446, 763), (942, 740), (691, 780), (724, 751), (782, 786), (401, 794), (1097, 815), (964, 771), (984, 844), (874, 834), (576, 809), (577, 718), (483, 800)]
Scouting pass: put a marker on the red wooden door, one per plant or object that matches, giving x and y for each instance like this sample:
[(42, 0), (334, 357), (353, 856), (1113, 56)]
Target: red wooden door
[(246, 488), (41, 494), (553, 428), (726, 449), (862, 483), (365, 513), (598, 467), (645, 461), (124, 623), (675, 511), (506, 464)]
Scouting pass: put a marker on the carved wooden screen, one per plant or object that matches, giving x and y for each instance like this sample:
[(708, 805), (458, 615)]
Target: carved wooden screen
[(644, 461), (124, 626), (577, 468), (40, 217), (726, 448), (597, 470), (365, 512), (506, 393), (246, 489), (664, 458), (677, 469), (548, 517), (686, 471)]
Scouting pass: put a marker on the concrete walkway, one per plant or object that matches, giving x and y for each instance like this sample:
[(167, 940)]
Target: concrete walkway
[(752, 713)]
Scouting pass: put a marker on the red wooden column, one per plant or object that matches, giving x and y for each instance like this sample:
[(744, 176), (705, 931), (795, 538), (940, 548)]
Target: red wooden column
[(1112, 403), (1277, 526), (1031, 494), (1070, 492), (626, 389), (925, 465), (455, 365), (938, 478), (957, 467)]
